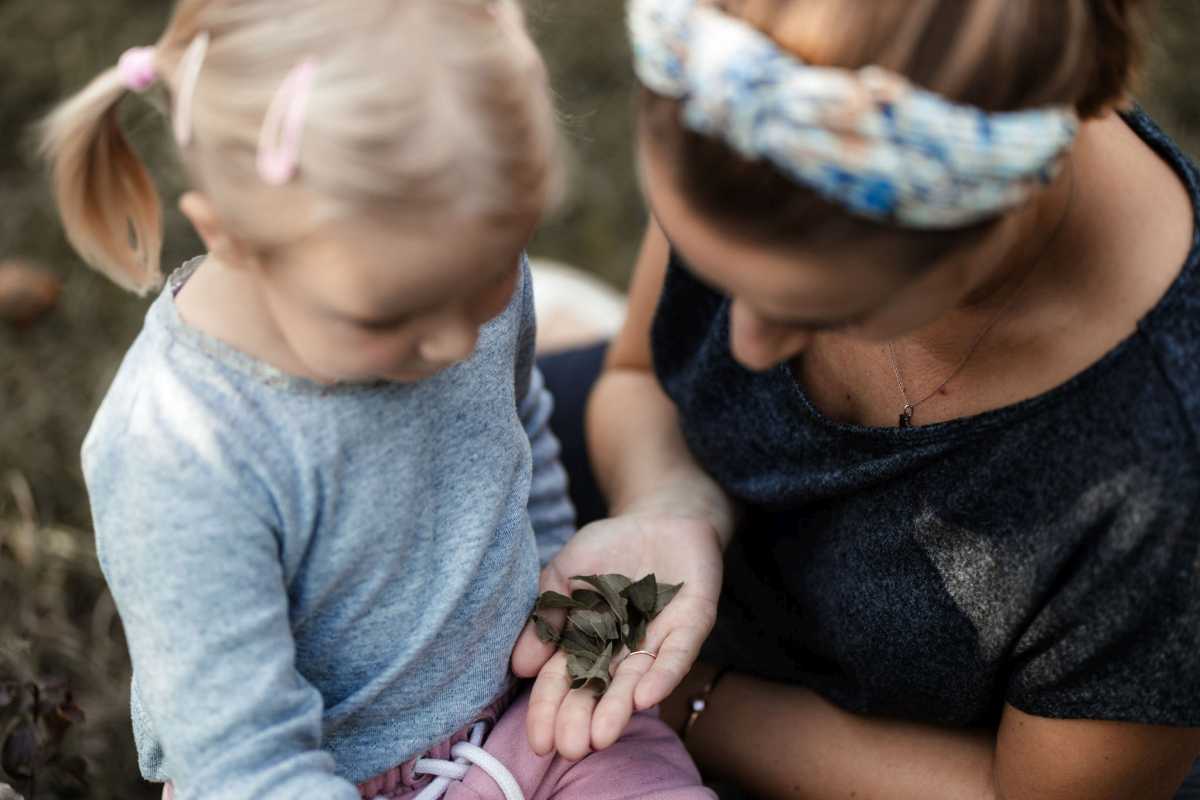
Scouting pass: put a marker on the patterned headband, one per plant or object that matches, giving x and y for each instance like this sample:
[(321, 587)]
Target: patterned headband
[(866, 139)]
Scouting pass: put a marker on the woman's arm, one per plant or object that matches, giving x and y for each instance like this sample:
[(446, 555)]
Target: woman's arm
[(641, 460), (1039, 758), (780, 741), (669, 519)]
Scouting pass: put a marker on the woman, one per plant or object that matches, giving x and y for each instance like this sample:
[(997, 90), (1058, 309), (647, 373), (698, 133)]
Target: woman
[(934, 360)]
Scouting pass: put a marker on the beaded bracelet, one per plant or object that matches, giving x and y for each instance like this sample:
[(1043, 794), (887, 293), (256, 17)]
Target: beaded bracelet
[(699, 701)]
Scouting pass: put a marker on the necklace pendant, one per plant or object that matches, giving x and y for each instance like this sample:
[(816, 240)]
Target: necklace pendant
[(906, 417)]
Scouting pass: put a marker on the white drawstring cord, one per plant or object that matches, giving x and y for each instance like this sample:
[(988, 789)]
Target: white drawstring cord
[(465, 754), (492, 766), (442, 769)]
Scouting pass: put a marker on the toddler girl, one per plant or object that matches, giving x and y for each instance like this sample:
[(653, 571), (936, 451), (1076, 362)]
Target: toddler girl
[(322, 481)]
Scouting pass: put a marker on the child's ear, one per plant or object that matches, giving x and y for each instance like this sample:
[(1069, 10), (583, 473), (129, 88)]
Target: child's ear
[(218, 240)]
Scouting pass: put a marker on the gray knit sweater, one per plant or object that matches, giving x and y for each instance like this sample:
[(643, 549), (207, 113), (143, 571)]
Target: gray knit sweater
[(317, 583)]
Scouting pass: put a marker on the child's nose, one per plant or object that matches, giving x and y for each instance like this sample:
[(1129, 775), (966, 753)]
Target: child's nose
[(450, 342)]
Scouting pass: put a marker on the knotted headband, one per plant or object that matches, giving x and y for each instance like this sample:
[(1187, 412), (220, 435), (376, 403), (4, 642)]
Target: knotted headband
[(867, 139)]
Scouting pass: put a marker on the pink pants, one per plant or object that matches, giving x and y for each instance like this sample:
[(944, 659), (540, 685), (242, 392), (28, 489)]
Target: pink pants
[(647, 762)]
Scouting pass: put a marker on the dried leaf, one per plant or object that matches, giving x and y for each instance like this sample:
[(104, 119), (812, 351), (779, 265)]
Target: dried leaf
[(600, 625), (666, 593), (55, 728), (575, 642), (577, 647), (588, 598), (636, 635), (19, 755), (597, 673), (610, 586), (545, 631), (71, 712), (580, 663), (552, 600), (602, 620), (642, 595)]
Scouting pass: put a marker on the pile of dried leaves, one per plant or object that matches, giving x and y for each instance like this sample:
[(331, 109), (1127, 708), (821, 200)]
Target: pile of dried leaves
[(600, 620), (36, 719)]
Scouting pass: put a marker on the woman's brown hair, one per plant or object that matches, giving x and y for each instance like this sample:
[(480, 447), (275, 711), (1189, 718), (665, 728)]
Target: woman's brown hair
[(998, 55)]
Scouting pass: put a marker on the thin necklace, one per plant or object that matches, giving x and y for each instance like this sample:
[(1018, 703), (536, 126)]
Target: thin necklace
[(910, 408)]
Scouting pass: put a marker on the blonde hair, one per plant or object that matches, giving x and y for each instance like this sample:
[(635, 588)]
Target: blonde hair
[(419, 108), (998, 55)]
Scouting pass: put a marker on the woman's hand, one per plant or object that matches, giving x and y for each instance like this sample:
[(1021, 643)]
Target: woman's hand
[(673, 548)]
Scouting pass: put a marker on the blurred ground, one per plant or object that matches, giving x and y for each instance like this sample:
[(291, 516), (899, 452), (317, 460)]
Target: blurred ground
[(53, 616)]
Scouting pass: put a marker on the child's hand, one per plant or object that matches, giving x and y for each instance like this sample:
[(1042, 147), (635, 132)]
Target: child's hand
[(676, 549)]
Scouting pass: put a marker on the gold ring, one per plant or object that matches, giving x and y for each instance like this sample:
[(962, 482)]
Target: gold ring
[(642, 653)]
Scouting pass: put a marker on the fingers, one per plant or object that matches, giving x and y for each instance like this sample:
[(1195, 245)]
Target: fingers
[(676, 655), (575, 722), (551, 686), (573, 728), (615, 708), (531, 652), (559, 717)]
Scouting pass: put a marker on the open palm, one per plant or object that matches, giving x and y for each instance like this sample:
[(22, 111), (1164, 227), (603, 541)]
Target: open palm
[(675, 549)]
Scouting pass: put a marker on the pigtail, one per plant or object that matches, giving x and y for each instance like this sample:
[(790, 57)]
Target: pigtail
[(109, 204)]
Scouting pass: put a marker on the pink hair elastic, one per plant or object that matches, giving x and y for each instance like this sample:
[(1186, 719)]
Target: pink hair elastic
[(283, 128), (189, 76), (137, 69)]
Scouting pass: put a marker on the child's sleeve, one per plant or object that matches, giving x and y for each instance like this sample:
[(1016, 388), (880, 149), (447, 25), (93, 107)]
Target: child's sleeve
[(194, 565), (550, 508)]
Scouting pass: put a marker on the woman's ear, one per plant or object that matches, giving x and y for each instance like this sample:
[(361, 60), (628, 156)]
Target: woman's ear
[(218, 239)]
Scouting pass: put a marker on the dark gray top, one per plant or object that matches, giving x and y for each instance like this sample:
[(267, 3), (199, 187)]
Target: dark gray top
[(1046, 554)]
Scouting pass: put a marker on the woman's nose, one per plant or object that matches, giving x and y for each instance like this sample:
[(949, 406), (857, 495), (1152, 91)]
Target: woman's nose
[(450, 341), (758, 344)]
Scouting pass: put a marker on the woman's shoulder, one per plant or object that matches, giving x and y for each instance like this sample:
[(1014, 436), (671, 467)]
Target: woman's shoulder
[(1131, 312), (1172, 325)]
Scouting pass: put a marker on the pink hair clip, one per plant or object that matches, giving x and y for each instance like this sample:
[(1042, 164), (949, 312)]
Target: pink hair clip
[(283, 128), (137, 69)]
